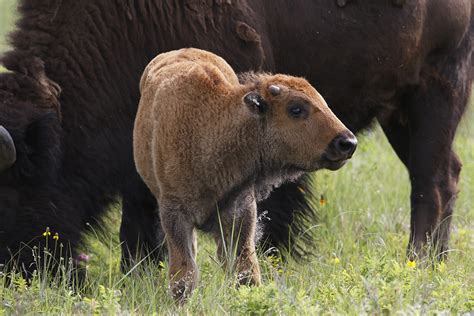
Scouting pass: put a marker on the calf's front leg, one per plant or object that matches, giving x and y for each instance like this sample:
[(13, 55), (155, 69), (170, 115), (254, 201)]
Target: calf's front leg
[(180, 240), (238, 230)]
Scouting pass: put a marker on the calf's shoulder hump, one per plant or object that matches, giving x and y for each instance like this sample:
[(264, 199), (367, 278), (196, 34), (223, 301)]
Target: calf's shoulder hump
[(209, 61)]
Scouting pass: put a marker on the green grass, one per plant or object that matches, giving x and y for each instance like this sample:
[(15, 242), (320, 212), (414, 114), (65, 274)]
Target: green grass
[(7, 7), (359, 264)]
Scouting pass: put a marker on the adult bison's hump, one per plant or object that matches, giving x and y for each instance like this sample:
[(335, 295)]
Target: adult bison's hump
[(361, 54)]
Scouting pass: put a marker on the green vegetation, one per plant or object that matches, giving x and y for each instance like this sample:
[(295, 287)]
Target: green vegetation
[(358, 266), (7, 9), (359, 263)]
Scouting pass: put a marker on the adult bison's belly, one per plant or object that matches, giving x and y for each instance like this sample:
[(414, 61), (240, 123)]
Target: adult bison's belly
[(357, 55)]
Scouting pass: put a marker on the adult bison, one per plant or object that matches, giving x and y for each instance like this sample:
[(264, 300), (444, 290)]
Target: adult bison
[(406, 63)]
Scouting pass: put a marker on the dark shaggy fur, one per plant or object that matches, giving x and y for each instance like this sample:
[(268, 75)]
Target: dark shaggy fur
[(408, 65)]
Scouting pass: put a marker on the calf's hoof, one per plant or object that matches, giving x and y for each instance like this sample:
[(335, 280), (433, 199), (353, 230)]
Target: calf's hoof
[(182, 288), (250, 276)]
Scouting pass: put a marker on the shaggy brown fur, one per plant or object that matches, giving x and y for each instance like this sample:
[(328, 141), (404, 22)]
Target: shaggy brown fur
[(203, 140)]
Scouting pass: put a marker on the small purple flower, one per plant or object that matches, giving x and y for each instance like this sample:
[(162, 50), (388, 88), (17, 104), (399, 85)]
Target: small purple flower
[(82, 258)]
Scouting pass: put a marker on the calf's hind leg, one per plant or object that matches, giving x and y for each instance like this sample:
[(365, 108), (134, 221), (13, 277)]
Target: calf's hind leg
[(180, 240)]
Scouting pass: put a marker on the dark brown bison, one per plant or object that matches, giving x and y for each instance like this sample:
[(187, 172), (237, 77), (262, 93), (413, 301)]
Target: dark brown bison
[(407, 64)]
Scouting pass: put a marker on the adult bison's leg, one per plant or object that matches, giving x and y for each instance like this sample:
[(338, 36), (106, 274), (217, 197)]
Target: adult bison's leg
[(449, 189), (39, 230), (286, 215), (431, 113), (140, 231)]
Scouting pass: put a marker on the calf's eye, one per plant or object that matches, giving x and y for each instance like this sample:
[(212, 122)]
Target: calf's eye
[(297, 111)]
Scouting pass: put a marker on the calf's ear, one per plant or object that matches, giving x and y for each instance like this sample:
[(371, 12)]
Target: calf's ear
[(256, 103)]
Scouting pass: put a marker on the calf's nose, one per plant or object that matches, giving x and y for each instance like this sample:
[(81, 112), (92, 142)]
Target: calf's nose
[(342, 146)]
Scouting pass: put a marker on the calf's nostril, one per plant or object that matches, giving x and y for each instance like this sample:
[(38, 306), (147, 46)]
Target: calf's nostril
[(343, 146), (346, 145)]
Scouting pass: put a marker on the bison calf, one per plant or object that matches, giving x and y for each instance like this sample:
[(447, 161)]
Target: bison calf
[(209, 148)]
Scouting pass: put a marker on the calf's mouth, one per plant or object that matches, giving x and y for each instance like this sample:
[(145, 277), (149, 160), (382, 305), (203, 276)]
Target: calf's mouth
[(339, 150)]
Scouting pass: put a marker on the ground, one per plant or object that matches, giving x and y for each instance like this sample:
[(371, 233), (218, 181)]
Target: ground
[(358, 266)]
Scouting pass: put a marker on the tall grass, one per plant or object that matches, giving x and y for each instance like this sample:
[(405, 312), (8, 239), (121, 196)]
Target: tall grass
[(359, 263)]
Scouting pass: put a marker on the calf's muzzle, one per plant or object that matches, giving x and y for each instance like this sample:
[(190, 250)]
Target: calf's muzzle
[(341, 148)]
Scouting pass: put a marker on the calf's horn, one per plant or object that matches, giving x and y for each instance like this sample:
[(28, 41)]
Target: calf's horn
[(274, 90), (7, 150)]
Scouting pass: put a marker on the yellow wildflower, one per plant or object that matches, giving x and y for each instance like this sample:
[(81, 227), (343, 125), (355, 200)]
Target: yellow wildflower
[(47, 232), (441, 267), (411, 264), (322, 200), (56, 236), (336, 260)]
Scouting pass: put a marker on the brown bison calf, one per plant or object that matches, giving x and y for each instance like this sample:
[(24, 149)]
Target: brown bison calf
[(209, 148)]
